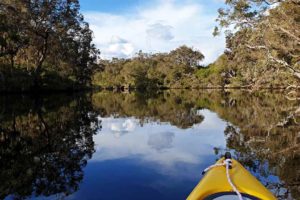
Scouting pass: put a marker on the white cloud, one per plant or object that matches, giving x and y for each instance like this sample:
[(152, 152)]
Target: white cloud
[(160, 31), (160, 27), (119, 47)]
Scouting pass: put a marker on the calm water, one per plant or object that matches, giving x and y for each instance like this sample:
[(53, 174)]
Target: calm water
[(144, 146)]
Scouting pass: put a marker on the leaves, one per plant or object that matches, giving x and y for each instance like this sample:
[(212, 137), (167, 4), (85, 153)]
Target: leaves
[(173, 70), (48, 35), (262, 41)]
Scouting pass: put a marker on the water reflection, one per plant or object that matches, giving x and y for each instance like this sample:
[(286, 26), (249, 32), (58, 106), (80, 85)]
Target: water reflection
[(163, 107), (44, 147), (152, 160), (148, 145), (262, 128), (161, 141)]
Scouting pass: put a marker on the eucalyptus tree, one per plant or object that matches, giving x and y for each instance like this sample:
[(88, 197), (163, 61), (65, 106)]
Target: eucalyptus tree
[(52, 25), (12, 34), (263, 36), (151, 71), (84, 56), (186, 56), (48, 35)]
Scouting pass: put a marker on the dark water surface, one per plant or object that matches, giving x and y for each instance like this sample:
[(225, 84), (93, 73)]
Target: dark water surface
[(144, 146)]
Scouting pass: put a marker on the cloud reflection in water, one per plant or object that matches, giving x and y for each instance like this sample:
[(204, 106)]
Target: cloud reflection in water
[(161, 143), (151, 160)]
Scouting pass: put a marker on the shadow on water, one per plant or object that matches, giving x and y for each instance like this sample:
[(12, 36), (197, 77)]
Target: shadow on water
[(45, 143)]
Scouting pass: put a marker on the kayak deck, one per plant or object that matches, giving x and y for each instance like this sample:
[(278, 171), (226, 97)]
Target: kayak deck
[(215, 183)]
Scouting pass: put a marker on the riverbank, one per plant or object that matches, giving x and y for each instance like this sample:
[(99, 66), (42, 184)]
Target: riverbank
[(128, 89), (20, 80)]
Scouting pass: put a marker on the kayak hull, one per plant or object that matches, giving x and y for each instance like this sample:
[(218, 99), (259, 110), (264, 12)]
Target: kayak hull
[(215, 183)]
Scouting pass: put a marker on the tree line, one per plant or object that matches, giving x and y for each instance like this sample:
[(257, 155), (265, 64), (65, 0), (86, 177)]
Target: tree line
[(151, 71), (44, 43), (262, 51), (48, 45), (262, 43)]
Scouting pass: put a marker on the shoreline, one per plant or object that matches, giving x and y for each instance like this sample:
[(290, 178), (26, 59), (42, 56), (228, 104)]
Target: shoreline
[(132, 89)]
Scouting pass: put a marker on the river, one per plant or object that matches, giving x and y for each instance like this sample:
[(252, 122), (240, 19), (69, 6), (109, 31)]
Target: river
[(109, 145)]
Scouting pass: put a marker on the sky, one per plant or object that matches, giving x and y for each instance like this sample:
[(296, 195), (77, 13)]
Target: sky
[(123, 27)]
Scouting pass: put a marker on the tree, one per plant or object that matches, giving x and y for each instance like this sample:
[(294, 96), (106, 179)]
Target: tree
[(86, 56), (12, 35), (186, 56), (152, 71), (48, 36), (265, 35)]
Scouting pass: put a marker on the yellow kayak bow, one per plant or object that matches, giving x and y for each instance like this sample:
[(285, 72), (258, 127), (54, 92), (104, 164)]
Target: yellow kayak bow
[(217, 184)]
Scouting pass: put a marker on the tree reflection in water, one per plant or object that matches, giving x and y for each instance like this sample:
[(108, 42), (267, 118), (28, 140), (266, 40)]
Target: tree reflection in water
[(44, 147), (263, 128), (177, 110), (264, 131)]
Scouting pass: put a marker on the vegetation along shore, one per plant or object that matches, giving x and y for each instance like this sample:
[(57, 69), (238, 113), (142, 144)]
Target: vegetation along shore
[(47, 45)]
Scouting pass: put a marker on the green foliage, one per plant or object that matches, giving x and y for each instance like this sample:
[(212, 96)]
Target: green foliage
[(43, 40), (186, 56), (46, 36), (215, 74), (263, 49), (173, 70)]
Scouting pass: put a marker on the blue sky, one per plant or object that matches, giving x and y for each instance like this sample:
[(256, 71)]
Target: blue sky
[(123, 27), (122, 6), (110, 6)]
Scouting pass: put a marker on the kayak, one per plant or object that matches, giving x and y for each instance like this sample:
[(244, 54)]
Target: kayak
[(228, 179)]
